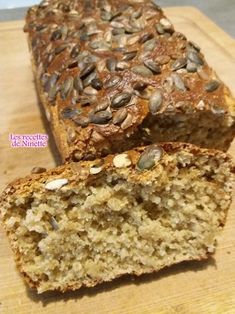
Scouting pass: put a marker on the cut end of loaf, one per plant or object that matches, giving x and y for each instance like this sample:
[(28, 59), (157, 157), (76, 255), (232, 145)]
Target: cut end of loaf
[(90, 222)]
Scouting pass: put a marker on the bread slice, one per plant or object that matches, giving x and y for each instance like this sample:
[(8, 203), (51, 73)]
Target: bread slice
[(85, 223)]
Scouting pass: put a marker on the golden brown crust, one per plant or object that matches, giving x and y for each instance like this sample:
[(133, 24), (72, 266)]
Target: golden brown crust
[(77, 169), (105, 32)]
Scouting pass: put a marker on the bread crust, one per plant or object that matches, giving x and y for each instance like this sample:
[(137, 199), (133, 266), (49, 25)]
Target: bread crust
[(186, 106)]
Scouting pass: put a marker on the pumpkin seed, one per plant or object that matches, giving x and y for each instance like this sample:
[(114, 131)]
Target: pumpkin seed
[(141, 70), (100, 117), (212, 85), (155, 102), (149, 157), (120, 99)]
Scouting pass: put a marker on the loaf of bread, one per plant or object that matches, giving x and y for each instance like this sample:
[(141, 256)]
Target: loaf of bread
[(113, 75), (132, 213)]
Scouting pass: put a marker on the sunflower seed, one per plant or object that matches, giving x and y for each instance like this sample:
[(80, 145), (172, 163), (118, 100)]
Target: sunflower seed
[(100, 117), (191, 67), (133, 39), (77, 83), (54, 223), (179, 64), (140, 86), (102, 106), (97, 83), (178, 81), (122, 65), (87, 81), (169, 84), (150, 45), (69, 113), (38, 170), (166, 24), (129, 29), (120, 116), (106, 16), (97, 137), (113, 81), (127, 122), (153, 66), (216, 109), (141, 70), (81, 121), (90, 91), (51, 82), (145, 37), (87, 69), (56, 184), (95, 169), (121, 160), (194, 45), (136, 14), (52, 93), (66, 87), (129, 55), (75, 51), (155, 102), (60, 48), (115, 24), (195, 57), (149, 157), (159, 28), (57, 34), (120, 99), (71, 135), (212, 86), (111, 64), (44, 79)]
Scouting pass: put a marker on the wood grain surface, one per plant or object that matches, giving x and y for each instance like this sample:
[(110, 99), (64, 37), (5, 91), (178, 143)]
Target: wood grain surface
[(188, 288)]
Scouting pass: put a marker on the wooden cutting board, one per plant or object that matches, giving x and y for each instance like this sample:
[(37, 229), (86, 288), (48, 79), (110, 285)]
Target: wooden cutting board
[(188, 288)]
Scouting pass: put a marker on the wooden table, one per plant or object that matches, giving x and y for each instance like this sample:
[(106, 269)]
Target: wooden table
[(188, 288)]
